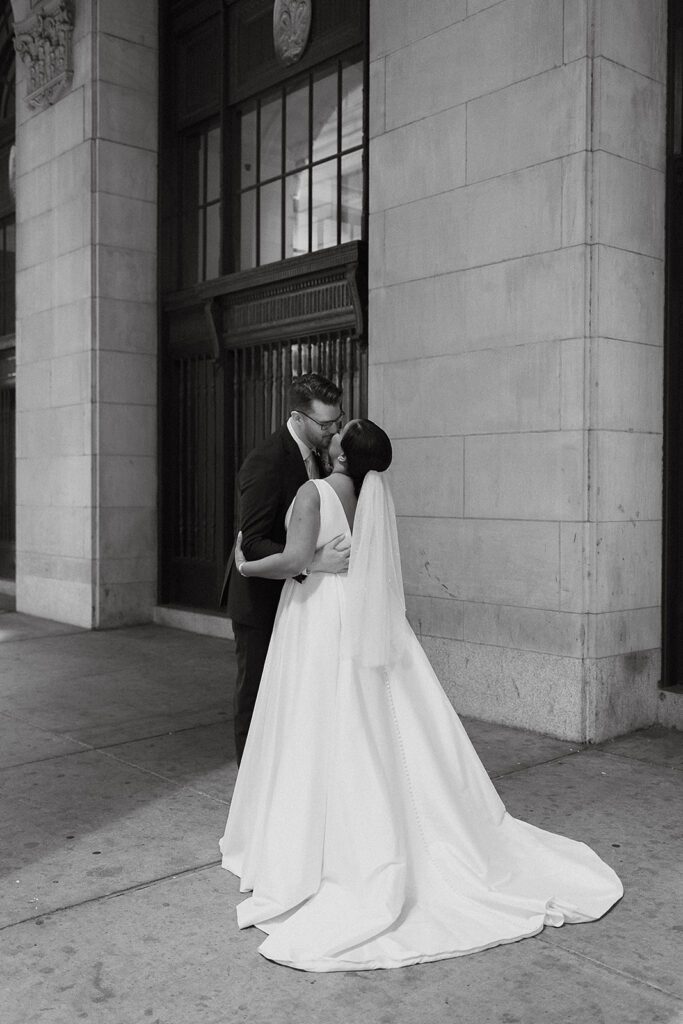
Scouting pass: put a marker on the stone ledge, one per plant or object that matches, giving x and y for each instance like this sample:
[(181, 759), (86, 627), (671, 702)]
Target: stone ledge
[(204, 623)]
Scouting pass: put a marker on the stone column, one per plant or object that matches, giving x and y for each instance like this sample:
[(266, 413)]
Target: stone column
[(86, 326), (516, 246)]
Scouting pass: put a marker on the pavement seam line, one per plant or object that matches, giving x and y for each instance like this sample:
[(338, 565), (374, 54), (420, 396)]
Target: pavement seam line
[(112, 895), (158, 775), (607, 967), (643, 760)]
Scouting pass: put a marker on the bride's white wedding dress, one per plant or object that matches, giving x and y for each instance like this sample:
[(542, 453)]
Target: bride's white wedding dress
[(363, 821)]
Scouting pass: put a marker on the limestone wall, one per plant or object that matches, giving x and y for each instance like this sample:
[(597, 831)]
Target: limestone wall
[(516, 243), (86, 327)]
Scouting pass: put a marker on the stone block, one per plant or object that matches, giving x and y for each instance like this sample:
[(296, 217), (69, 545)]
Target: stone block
[(514, 215), (481, 560), (621, 694), (126, 274), (532, 299), (71, 379), (633, 33), (63, 480), (502, 127), (126, 532), (631, 114), (127, 378), (628, 475), (525, 689), (576, 570), (65, 177), (125, 223), (128, 570), (435, 616), (60, 600), (627, 566), (573, 363), (125, 326), (131, 20), (125, 604), (575, 216), (525, 629), (509, 42), (475, 6), (525, 476), (37, 338), (376, 392), (62, 431), (376, 250), (126, 170), (52, 132), (60, 531), (33, 386), (127, 429), (56, 567), (397, 23), (127, 116), (477, 392), (629, 296), (129, 64), (127, 481), (427, 476), (629, 210), (576, 30), (627, 386), (417, 160), (376, 99), (624, 632)]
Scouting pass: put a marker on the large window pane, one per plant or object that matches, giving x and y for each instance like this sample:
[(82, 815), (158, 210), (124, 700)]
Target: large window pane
[(213, 240), (271, 137), (248, 230), (248, 147), (271, 223), (351, 196), (296, 213), (325, 114), (213, 165), (352, 105), (297, 128), (324, 206)]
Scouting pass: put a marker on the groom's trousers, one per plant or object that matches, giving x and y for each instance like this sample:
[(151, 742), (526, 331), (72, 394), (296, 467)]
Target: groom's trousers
[(251, 645)]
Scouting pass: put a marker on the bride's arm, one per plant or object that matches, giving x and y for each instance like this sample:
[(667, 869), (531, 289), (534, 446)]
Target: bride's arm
[(302, 534)]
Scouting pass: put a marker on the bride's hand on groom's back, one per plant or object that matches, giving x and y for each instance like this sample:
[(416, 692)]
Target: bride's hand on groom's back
[(333, 556)]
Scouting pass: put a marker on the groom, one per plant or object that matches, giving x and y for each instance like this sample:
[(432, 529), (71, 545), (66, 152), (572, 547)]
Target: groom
[(267, 484)]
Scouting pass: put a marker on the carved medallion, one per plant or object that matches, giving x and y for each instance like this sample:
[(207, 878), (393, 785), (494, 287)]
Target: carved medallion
[(291, 26), (44, 44)]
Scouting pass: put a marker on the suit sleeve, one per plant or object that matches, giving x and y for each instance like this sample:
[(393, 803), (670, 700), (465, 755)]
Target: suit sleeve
[(260, 506)]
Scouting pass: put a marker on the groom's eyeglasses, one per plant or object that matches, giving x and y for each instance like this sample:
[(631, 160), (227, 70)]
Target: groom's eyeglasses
[(327, 426)]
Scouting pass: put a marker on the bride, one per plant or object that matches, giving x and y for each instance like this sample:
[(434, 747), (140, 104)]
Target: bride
[(363, 823)]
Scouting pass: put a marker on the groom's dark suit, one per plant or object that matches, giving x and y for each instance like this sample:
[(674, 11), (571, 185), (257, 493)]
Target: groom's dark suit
[(267, 482)]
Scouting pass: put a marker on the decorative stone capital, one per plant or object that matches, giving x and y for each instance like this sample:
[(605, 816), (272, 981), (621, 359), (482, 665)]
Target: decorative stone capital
[(291, 27), (43, 42)]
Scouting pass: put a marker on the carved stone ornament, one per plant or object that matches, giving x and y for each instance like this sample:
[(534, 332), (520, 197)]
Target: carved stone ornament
[(291, 27), (44, 44)]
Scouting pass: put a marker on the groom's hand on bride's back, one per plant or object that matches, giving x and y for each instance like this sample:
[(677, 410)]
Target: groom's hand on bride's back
[(333, 556)]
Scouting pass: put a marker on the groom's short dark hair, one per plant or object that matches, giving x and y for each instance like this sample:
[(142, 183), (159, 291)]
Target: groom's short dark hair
[(311, 386)]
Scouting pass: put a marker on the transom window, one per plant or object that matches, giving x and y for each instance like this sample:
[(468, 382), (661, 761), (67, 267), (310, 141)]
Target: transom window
[(300, 180)]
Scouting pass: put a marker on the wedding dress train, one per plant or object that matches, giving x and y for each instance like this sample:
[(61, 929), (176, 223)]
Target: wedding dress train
[(363, 822)]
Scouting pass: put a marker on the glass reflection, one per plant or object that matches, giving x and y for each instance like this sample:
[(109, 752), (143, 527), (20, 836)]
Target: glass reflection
[(248, 230), (296, 212), (271, 223), (297, 128), (352, 105), (248, 148), (213, 240), (271, 138), (324, 114), (351, 197), (324, 206), (213, 165)]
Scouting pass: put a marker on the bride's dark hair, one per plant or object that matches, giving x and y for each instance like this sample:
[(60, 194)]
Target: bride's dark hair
[(366, 447)]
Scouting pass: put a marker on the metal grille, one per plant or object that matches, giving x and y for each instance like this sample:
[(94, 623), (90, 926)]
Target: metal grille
[(261, 375), (196, 472)]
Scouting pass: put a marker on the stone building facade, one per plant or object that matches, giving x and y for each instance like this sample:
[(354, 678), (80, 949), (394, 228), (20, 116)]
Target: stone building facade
[(515, 259)]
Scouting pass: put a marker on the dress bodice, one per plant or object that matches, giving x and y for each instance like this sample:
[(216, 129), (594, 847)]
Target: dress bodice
[(333, 521)]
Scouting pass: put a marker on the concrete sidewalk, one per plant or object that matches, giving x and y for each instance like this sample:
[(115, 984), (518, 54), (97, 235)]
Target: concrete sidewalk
[(117, 766)]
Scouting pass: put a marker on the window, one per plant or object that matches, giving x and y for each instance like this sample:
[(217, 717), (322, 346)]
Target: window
[(200, 239), (300, 180)]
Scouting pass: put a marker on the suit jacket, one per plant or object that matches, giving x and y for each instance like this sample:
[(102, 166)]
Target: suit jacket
[(267, 483)]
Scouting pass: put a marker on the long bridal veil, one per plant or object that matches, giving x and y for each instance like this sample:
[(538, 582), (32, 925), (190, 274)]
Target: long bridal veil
[(375, 630)]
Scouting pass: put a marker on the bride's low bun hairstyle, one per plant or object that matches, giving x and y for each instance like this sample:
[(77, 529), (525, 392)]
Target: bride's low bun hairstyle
[(366, 446)]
